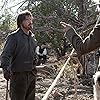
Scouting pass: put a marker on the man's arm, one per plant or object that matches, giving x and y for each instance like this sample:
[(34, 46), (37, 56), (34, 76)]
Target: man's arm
[(8, 52), (90, 43)]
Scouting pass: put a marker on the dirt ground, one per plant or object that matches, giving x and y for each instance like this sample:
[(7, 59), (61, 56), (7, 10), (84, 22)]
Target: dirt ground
[(64, 89), (2, 86)]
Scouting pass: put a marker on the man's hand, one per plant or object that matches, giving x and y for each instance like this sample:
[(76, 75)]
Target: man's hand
[(6, 74), (66, 26)]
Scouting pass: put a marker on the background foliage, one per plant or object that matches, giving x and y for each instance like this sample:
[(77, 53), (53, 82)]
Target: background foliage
[(81, 14)]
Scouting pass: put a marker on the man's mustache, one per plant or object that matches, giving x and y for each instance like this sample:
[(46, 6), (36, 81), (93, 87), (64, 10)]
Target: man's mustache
[(30, 24)]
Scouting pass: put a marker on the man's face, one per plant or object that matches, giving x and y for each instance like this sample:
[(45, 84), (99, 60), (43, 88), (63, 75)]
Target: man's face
[(27, 23)]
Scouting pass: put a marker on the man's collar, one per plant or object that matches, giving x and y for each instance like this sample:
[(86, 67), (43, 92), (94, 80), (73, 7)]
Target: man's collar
[(30, 32)]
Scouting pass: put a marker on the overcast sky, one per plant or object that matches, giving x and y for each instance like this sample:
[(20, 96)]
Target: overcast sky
[(13, 4)]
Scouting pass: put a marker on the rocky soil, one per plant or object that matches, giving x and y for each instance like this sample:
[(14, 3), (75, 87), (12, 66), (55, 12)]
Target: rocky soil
[(64, 89)]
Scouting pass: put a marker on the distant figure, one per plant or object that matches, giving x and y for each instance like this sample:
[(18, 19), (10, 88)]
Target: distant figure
[(42, 53)]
